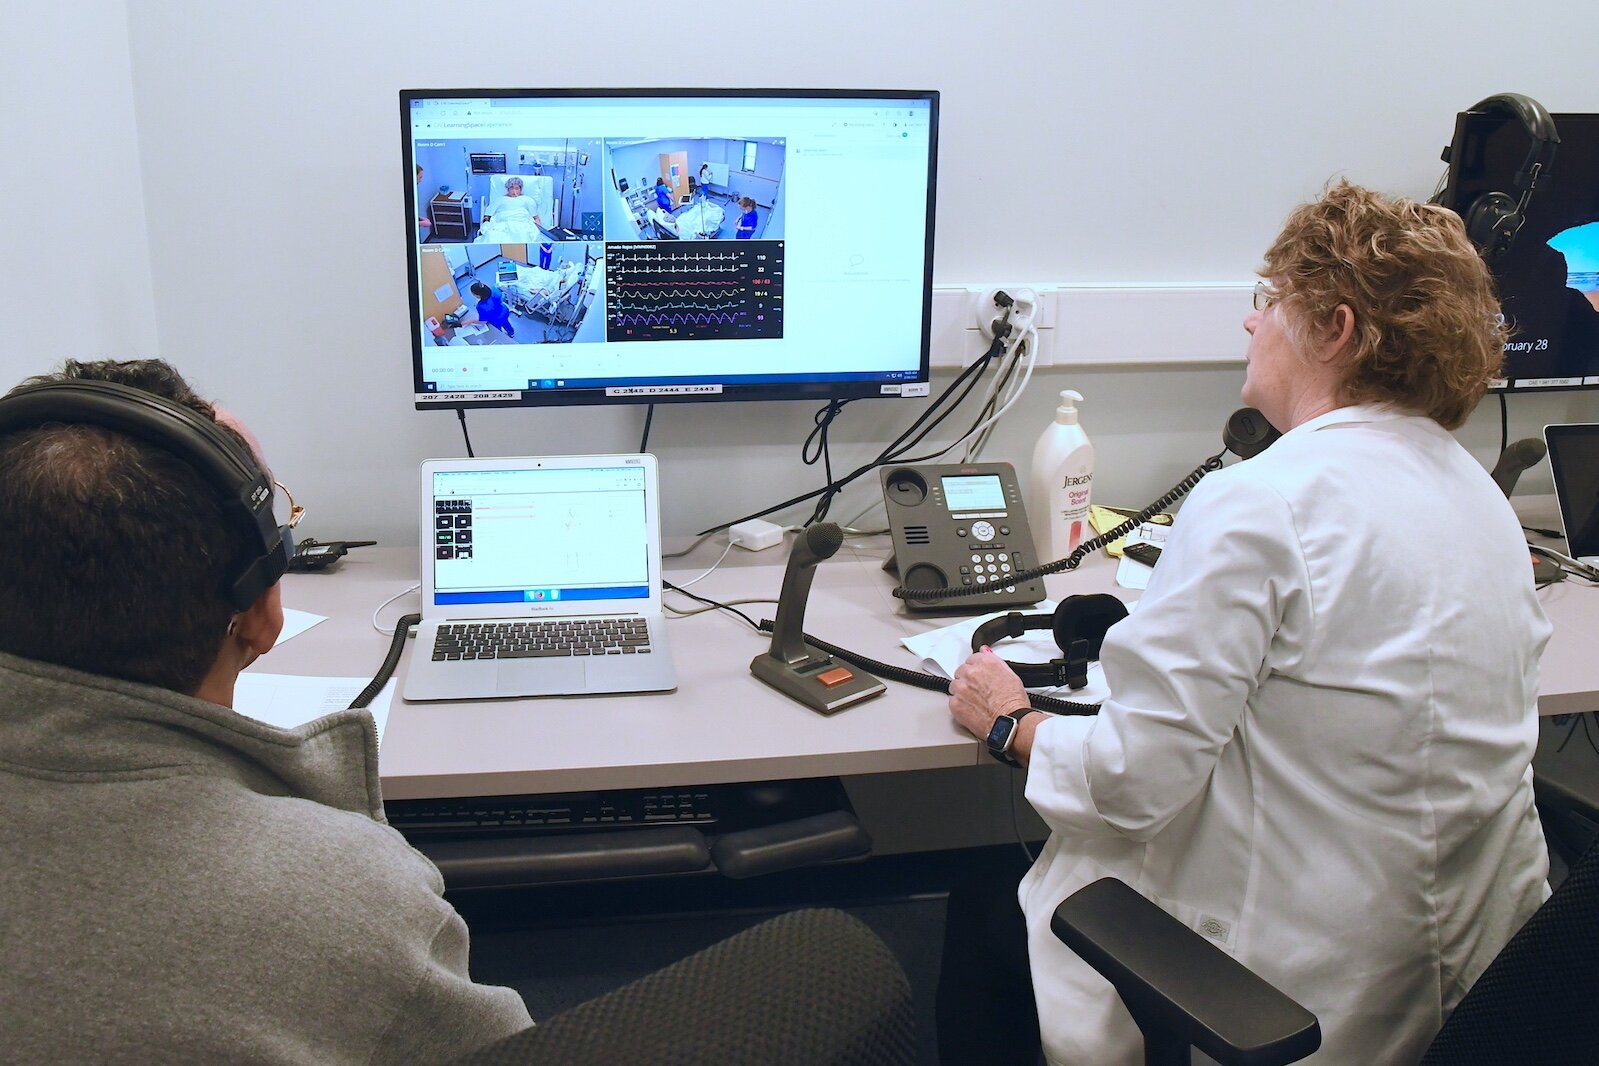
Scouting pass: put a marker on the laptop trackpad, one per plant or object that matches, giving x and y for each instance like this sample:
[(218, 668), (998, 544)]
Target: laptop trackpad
[(542, 677)]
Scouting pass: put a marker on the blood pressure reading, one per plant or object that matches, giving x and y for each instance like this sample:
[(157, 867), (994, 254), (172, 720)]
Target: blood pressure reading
[(979, 492)]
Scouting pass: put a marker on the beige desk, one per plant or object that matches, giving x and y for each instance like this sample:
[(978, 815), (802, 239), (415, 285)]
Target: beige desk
[(722, 725)]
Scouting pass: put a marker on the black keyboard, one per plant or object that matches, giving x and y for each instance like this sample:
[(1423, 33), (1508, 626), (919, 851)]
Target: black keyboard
[(583, 811), (713, 808), (532, 640)]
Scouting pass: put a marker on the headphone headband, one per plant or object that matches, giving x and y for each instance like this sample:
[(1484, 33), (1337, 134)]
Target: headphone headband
[(1079, 624), (1536, 120), (243, 489)]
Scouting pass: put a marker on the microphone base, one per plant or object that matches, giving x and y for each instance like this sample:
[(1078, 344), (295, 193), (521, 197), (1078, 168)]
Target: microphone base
[(822, 683)]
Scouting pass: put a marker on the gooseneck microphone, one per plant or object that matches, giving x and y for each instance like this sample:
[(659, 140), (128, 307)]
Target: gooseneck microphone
[(792, 666), (813, 545), (1515, 460)]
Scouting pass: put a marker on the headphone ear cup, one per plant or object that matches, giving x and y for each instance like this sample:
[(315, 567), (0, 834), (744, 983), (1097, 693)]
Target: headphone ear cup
[(1087, 618), (1491, 222)]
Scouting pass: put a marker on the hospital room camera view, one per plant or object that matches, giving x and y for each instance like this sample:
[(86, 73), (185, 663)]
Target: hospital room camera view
[(628, 246)]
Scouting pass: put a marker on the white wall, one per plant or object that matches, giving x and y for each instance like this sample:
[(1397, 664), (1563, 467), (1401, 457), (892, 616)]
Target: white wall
[(74, 256), (1162, 142)]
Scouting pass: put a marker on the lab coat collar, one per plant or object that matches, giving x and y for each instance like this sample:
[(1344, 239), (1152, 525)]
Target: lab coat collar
[(1359, 412)]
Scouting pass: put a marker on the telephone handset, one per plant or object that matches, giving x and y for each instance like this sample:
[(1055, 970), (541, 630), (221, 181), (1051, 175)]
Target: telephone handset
[(961, 526), (931, 532)]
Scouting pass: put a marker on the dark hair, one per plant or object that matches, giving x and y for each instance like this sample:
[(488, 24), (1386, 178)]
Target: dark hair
[(481, 291), (118, 551), (746, 203)]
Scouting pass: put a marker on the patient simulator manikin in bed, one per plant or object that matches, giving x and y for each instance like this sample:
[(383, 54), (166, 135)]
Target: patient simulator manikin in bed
[(517, 214), (537, 291), (699, 221)]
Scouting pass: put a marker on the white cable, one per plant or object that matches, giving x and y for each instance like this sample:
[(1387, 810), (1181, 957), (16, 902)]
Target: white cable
[(385, 603), (702, 577), (683, 612), (979, 434), (1015, 393)]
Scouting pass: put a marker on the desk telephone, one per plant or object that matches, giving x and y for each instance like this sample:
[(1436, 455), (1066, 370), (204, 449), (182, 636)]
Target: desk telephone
[(961, 538), (961, 525)]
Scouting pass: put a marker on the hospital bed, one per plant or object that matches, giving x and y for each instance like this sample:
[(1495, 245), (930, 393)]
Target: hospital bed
[(539, 292), (537, 189), (700, 220)]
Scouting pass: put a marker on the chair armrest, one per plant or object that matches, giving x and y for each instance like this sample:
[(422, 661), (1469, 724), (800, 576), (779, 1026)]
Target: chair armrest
[(807, 988), (1178, 986)]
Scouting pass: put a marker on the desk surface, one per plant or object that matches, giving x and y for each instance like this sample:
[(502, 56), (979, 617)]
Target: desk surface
[(722, 724)]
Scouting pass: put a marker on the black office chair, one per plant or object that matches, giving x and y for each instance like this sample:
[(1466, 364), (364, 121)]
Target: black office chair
[(1534, 1003), (807, 988)]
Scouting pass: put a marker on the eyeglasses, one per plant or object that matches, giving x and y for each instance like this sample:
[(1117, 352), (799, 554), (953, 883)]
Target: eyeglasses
[(1264, 296), (296, 512)]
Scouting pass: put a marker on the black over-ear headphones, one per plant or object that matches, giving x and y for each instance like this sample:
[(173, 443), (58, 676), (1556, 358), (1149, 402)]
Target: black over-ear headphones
[(243, 488), (1493, 218), (1079, 625)]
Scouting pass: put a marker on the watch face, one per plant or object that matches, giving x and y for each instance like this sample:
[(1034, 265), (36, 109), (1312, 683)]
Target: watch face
[(999, 733)]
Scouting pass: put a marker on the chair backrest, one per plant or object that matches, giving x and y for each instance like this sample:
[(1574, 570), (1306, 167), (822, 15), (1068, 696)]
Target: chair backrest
[(1535, 1002), (807, 988)]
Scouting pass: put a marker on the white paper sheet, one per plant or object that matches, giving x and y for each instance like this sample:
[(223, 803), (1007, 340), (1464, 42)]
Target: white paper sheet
[(288, 700), (297, 622)]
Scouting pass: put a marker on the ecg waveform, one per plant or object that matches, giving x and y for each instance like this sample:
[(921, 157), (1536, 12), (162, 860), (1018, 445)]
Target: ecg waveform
[(656, 292)]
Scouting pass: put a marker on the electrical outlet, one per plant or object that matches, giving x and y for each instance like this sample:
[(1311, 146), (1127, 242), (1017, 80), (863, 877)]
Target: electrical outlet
[(963, 318), (1023, 309)]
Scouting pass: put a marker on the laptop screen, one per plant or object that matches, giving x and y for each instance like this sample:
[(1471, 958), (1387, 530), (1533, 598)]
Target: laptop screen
[(1574, 463), (546, 535)]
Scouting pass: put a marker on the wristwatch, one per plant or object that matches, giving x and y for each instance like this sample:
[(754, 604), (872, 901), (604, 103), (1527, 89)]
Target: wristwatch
[(1002, 734)]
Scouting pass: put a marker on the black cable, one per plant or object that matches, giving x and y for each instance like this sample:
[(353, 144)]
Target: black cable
[(402, 629), (649, 416), (931, 682), (713, 603), (1544, 532), (460, 413), (976, 368), (1083, 550), (823, 453), (1504, 424), (1582, 721)]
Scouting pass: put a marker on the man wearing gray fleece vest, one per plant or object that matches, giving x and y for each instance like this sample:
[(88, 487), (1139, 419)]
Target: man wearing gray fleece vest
[(181, 884)]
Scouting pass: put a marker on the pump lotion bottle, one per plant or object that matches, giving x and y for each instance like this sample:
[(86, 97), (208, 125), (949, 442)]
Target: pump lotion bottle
[(1062, 482)]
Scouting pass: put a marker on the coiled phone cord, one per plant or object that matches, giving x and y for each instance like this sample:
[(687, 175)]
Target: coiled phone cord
[(1039, 702), (402, 629), (1083, 550)]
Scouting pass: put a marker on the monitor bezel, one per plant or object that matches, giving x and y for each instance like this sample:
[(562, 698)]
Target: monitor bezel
[(819, 391)]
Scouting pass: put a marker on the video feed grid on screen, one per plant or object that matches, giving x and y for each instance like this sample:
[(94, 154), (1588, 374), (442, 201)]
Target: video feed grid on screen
[(665, 217), (667, 292)]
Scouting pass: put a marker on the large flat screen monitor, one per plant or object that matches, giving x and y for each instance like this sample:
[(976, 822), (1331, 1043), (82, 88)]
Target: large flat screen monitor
[(644, 245), (1549, 278)]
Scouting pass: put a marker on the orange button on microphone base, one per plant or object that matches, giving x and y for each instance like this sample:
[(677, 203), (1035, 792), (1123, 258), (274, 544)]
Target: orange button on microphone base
[(836, 676)]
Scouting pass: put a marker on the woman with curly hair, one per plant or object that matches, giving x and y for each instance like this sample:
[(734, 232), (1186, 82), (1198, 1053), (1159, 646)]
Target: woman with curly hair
[(1317, 749)]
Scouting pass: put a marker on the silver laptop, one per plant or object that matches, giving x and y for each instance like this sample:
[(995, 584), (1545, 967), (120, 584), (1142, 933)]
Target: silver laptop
[(1574, 462), (540, 577)]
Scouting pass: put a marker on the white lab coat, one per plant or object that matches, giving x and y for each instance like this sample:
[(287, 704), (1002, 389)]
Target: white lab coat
[(1317, 751)]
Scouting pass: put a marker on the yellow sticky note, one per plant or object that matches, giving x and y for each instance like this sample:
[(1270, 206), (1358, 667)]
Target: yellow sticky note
[(1105, 519)]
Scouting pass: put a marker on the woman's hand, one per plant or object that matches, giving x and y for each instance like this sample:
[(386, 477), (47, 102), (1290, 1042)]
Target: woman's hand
[(984, 688)]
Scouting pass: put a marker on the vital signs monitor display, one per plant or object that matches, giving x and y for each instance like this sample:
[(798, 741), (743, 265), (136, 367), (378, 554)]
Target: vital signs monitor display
[(633, 246)]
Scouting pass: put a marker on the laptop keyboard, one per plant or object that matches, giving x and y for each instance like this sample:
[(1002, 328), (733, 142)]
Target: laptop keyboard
[(534, 640)]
